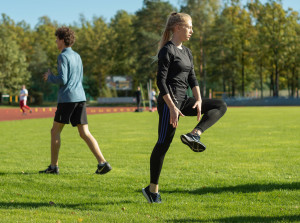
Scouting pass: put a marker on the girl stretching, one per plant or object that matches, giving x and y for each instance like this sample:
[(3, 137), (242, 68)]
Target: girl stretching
[(175, 73)]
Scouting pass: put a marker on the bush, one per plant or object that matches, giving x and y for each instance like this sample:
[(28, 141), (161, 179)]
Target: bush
[(37, 97)]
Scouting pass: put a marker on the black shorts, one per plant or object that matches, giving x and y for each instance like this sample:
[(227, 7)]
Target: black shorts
[(74, 112)]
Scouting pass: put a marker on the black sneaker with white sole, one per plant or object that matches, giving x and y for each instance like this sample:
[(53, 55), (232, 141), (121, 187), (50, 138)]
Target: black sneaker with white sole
[(103, 169), (49, 170), (193, 141), (151, 197)]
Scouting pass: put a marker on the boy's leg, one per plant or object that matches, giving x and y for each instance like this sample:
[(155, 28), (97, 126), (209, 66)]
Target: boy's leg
[(61, 118), (91, 142), (103, 166), (55, 142), (79, 119)]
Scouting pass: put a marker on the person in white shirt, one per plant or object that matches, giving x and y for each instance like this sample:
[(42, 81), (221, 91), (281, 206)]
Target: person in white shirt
[(23, 100), (153, 98)]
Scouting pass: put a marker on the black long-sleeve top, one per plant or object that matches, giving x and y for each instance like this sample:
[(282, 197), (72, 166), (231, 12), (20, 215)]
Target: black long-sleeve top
[(175, 71)]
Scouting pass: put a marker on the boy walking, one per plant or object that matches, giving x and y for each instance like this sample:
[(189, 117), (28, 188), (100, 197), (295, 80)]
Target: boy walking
[(71, 105)]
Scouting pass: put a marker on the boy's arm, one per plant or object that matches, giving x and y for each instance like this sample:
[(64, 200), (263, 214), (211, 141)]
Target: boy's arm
[(62, 69)]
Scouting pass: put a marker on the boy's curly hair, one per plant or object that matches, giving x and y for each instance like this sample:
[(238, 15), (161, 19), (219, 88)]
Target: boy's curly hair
[(66, 34)]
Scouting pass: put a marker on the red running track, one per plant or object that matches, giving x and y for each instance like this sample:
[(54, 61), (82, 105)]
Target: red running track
[(7, 114)]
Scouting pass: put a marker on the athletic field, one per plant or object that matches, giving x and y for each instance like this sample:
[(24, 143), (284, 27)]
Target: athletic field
[(249, 173)]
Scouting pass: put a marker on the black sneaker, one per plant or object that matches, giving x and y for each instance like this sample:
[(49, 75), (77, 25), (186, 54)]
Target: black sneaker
[(151, 197), (103, 169), (193, 141), (49, 170)]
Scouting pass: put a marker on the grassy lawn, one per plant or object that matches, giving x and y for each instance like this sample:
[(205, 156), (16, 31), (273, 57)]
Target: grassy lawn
[(249, 173)]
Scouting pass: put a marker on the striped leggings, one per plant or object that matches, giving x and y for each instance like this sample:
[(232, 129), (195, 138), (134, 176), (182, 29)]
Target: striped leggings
[(212, 110)]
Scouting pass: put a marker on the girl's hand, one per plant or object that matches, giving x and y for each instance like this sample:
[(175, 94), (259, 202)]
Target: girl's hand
[(174, 114), (198, 106)]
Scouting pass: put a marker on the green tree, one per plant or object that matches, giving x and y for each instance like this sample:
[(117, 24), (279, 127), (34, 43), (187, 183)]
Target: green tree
[(121, 40), (90, 86), (44, 37), (43, 56), (13, 65), (245, 33), (259, 48), (93, 46), (148, 26), (203, 13), (235, 32), (218, 59), (292, 52), (230, 50), (271, 23)]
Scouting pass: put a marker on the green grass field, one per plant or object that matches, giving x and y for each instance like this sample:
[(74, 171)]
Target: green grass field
[(249, 173)]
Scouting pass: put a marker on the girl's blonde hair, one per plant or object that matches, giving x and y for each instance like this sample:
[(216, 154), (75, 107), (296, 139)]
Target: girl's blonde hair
[(174, 19)]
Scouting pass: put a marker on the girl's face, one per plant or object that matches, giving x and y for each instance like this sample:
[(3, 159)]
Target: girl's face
[(185, 31)]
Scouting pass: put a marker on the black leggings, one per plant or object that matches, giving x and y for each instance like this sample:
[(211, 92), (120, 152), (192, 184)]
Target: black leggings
[(212, 110)]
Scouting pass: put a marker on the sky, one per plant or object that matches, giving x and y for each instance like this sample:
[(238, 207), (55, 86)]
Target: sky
[(68, 11)]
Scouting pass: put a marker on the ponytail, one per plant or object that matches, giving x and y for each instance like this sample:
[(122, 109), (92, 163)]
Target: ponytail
[(173, 20)]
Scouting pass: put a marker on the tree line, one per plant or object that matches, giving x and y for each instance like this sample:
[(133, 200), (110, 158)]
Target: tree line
[(237, 48)]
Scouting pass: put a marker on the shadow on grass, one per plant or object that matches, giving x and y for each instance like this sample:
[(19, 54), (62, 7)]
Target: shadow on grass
[(244, 219), (42, 174), (245, 188), (18, 173), (79, 206)]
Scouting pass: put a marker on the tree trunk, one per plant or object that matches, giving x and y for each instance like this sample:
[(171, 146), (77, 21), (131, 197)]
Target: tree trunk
[(232, 88), (276, 90), (243, 75), (297, 84), (201, 67), (289, 86), (272, 84), (261, 80), (101, 80), (201, 81), (223, 76), (204, 74), (293, 82), (223, 79)]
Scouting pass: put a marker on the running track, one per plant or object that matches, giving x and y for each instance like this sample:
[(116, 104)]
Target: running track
[(7, 114)]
